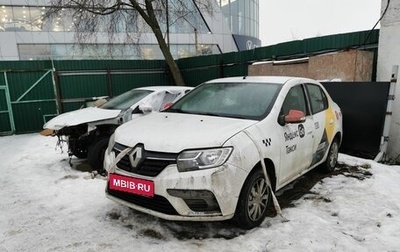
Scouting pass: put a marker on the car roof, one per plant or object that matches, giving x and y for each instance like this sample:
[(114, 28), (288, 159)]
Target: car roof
[(161, 88), (261, 79)]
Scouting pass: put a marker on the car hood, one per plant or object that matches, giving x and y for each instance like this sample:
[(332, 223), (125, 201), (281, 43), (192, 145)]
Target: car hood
[(80, 116), (174, 132)]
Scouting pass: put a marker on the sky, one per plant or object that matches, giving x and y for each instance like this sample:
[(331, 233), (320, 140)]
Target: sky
[(48, 205), (287, 20)]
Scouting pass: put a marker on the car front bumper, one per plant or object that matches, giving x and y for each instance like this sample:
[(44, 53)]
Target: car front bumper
[(202, 195)]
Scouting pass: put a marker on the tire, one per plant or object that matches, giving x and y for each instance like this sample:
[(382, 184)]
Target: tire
[(253, 201), (96, 153), (76, 148), (332, 158)]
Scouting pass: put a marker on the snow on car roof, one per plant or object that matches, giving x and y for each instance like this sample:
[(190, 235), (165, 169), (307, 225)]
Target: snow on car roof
[(264, 79), (169, 88)]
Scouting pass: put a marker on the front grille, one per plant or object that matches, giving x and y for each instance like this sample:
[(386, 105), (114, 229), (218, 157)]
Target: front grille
[(151, 164), (157, 203)]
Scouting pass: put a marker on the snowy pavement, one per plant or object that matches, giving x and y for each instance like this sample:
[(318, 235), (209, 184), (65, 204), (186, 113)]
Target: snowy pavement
[(45, 205)]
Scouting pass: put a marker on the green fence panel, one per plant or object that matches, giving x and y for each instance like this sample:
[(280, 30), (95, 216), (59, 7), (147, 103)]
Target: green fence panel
[(31, 96), (123, 82), (196, 76), (83, 86), (5, 125), (3, 101), (2, 80), (24, 66), (20, 82), (70, 106), (30, 117), (235, 70), (198, 62), (230, 58)]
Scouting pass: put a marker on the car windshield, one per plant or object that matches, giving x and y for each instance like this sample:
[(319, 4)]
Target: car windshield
[(237, 100), (126, 100)]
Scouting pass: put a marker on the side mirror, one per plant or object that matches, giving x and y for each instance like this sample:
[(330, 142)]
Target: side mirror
[(166, 105), (294, 116)]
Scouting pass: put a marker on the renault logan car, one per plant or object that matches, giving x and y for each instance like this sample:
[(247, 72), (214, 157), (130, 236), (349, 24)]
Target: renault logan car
[(220, 151), (88, 130)]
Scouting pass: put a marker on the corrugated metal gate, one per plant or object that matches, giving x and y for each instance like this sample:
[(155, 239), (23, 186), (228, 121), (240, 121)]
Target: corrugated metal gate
[(27, 100), (363, 107), (79, 81), (75, 88), (31, 93)]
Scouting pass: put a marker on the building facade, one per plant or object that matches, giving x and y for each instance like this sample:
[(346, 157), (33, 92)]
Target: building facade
[(27, 34), (389, 56)]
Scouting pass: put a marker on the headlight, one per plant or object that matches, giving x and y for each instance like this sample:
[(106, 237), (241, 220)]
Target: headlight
[(111, 143), (203, 159)]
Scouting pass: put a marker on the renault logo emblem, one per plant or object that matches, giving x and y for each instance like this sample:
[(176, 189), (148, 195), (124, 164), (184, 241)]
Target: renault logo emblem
[(136, 156)]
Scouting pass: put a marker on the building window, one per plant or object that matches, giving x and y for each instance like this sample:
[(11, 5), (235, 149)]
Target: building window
[(110, 51), (243, 16)]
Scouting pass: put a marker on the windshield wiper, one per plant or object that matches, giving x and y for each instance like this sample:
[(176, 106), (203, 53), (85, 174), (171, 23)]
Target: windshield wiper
[(207, 113), (175, 110), (222, 115)]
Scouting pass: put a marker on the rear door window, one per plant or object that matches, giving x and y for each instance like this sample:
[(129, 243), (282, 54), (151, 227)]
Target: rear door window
[(318, 99)]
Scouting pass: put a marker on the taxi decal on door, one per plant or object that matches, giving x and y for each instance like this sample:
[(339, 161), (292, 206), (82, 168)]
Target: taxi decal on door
[(327, 136)]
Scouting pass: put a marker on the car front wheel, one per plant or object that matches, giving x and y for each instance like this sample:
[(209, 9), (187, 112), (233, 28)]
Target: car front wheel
[(96, 153), (253, 201)]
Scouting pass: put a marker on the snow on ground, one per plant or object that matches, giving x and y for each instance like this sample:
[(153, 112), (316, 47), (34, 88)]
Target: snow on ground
[(46, 205)]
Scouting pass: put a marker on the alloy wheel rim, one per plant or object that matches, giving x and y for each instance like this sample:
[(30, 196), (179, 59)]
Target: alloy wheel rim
[(258, 199), (334, 155)]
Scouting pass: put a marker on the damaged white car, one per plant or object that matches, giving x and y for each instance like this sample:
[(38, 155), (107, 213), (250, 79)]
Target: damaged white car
[(88, 130), (222, 150)]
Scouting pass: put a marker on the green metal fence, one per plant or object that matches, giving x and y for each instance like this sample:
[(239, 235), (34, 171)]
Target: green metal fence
[(26, 97), (79, 81), (32, 92)]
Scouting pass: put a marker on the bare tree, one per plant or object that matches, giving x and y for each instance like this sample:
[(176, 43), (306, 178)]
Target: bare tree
[(125, 20)]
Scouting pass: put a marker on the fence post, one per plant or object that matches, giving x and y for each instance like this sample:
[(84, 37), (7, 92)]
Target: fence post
[(9, 106), (57, 90)]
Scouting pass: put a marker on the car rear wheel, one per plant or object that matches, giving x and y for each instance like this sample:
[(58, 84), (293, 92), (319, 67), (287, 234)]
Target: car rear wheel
[(253, 201), (332, 158), (96, 153)]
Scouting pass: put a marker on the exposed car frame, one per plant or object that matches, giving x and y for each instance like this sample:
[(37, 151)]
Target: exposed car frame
[(88, 130)]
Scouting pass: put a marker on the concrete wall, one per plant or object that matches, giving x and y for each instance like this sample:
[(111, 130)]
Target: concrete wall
[(352, 65), (389, 55), (288, 69)]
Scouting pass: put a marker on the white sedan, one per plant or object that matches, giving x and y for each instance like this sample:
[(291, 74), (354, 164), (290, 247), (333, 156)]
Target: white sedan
[(88, 130), (220, 151)]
